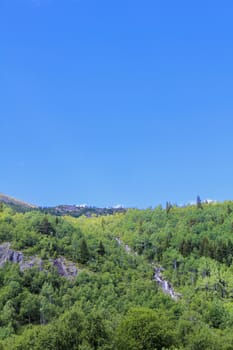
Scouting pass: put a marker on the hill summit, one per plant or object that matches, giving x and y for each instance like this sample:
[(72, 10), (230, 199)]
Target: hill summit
[(16, 202)]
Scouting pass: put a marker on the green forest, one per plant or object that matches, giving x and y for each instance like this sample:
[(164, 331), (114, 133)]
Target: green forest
[(111, 301)]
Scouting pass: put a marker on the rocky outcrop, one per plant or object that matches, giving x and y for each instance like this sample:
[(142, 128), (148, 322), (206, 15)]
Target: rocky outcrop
[(64, 267), (7, 254)]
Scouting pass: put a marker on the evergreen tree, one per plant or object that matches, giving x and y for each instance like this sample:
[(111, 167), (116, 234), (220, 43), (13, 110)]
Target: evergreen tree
[(198, 202), (84, 254), (168, 207), (101, 249), (45, 227)]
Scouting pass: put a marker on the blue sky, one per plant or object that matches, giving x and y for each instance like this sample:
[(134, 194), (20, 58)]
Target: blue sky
[(116, 102)]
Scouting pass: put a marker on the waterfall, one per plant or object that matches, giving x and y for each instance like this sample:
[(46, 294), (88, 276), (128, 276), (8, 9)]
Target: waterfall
[(164, 284)]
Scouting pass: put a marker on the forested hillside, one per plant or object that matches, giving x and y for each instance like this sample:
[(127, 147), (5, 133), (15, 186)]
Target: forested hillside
[(111, 301)]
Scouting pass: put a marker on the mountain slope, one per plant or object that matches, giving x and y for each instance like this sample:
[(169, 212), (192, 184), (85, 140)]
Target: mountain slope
[(16, 202), (114, 302)]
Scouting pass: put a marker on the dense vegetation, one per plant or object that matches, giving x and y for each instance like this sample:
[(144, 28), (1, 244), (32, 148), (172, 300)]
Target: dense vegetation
[(114, 303)]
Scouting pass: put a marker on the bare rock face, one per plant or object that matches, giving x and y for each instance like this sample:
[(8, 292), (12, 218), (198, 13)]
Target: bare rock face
[(7, 254), (64, 267), (31, 262)]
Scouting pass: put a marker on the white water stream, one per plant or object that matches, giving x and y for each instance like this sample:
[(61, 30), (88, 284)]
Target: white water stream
[(164, 284)]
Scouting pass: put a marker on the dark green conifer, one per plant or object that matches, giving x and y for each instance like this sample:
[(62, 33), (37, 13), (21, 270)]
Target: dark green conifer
[(101, 249), (84, 254)]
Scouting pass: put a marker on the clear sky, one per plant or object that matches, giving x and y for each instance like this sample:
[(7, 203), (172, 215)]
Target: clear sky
[(116, 102)]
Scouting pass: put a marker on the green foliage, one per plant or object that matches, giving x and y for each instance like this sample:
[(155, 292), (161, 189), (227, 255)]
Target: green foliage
[(84, 254), (45, 227), (144, 329), (101, 249), (113, 303)]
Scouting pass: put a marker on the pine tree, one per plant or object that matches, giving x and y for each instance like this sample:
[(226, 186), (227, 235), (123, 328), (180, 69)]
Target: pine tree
[(198, 203), (168, 207), (101, 249), (84, 254), (45, 227)]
